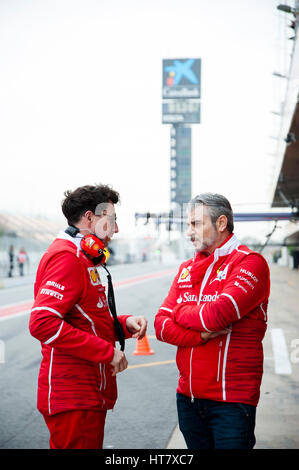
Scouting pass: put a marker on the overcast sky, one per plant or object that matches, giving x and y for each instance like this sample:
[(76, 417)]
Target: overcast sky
[(80, 98)]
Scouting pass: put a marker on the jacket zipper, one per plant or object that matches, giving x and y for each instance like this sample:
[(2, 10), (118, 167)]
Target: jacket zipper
[(219, 359), (104, 372), (100, 369), (190, 377), (103, 381), (205, 279)]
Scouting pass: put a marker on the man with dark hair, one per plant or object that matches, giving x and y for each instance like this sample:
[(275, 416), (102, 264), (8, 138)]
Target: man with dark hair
[(216, 314), (71, 317), (86, 198)]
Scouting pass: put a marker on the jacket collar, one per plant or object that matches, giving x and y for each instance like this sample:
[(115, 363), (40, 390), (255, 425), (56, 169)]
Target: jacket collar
[(226, 247), (229, 245), (75, 240), (203, 264)]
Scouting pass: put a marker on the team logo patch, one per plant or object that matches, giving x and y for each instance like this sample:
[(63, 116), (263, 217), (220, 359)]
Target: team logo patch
[(185, 275), (94, 276), (102, 302), (220, 274)]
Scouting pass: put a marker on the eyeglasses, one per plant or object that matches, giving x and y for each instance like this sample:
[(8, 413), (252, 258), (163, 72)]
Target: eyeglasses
[(111, 217)]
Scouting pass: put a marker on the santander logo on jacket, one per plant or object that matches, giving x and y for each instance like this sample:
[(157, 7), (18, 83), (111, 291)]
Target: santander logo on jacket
[(193, 298), (230, 287)]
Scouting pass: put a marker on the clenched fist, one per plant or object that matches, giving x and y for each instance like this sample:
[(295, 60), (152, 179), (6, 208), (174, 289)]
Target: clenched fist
[(206, 336), (119, 362)]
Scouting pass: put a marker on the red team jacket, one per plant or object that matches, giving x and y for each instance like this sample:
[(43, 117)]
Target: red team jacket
[(71, 318), (230, 287)]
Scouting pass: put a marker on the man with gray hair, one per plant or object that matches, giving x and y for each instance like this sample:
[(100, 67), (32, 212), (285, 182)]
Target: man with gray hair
[(216, 314)]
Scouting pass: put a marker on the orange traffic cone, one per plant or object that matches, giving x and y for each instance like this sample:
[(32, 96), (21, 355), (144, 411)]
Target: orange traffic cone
[(143, 347)]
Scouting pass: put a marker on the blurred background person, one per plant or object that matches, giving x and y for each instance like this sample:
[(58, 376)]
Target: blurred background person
[(22, 259), (11, 257)]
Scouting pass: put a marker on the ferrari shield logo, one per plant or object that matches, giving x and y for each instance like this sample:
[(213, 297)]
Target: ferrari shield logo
[(185, 275), (94, 276)]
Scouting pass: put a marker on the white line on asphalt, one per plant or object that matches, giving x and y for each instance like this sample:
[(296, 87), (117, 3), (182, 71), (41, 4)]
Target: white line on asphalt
[(117, 287), (282, 363), (15, 304), (15, 315)]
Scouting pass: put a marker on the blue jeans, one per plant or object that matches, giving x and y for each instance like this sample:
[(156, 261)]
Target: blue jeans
[(209, 424)]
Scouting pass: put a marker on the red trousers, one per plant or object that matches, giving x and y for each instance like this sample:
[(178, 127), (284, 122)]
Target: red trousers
[(76, 429)]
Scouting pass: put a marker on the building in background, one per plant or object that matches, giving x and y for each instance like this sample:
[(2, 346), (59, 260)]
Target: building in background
[(181, 95), (285, 191)]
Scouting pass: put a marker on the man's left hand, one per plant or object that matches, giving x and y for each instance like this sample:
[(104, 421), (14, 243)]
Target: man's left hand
[(137, 326)]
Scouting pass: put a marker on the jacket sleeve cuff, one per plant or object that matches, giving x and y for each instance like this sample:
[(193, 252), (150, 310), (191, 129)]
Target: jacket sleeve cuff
[(123, 319), (109, 355)]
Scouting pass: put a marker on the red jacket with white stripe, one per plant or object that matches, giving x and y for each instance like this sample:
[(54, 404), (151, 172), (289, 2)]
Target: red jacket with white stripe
[(230, 287), (71, 319)]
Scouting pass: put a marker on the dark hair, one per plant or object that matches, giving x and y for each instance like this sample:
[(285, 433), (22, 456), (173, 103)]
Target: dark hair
[(85, 198), (217, 205)]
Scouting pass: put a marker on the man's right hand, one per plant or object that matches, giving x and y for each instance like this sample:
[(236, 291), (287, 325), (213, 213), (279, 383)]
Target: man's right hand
[(206, 336), (119, 362)]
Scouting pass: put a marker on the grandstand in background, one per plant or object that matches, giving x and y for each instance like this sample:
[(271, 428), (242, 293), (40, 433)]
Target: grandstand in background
[(33, 234)]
